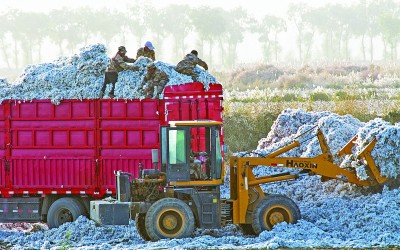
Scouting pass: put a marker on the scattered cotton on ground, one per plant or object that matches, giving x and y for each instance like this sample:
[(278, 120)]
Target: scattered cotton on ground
[(333, 215)]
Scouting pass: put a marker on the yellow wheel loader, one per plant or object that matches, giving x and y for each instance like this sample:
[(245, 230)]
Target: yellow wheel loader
[(182, 191)]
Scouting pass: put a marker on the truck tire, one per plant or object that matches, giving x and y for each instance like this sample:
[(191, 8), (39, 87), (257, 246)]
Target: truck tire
[(169, 218), (274, 209), (140, 221), (64, 210)]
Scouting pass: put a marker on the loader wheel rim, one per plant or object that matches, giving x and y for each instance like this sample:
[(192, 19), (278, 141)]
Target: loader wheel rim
[(275, 215), (276, 218), (170, 223)]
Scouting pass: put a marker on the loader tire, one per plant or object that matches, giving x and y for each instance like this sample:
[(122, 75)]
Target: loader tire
[(140, 220), (169, 218), (64, 210), (274, 209)]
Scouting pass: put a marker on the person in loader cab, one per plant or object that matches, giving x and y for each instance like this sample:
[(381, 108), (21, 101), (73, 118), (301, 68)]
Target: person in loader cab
[(189, 62), (198, 168), (147, 51), (117, 63), (154, 78)]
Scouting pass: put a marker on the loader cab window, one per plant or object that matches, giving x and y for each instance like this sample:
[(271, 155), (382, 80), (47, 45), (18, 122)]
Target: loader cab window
[(177, 147), (175, 153)]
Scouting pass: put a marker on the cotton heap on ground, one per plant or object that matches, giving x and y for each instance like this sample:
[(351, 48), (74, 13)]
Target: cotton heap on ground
[(81, 77), (386, 151), (338, 130)]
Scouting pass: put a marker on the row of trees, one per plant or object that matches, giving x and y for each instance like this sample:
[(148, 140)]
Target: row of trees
[(329, 33), (367, 22)]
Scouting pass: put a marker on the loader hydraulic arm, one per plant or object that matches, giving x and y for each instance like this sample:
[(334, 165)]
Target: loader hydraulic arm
[(245, 189)]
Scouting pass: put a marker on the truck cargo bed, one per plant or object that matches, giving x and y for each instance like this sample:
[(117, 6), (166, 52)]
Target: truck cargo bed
[(74, 147)]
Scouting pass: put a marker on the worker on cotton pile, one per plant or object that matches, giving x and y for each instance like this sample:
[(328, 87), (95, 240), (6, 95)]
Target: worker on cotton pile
[(188, 64), (147, 51), (155, 80), (117, 63)]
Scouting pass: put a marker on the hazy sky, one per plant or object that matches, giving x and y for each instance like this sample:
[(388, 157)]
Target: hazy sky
[(257, 8)]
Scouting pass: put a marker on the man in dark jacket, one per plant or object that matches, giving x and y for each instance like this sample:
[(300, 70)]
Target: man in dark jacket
[(189, 62), (117, 63)]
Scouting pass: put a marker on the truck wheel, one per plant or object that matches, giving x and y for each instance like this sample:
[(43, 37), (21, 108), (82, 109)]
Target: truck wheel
[(247, 229), (140, 220), (169, 218), (64, 210), (272, 210)]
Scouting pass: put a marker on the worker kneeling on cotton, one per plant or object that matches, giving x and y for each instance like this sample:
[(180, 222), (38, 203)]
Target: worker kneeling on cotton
[(189, 62), (155, 79)]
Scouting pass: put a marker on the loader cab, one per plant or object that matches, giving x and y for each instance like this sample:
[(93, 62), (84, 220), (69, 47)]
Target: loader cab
[(191, 152)]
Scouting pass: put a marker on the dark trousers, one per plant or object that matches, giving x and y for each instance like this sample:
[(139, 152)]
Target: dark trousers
[(109, 77)]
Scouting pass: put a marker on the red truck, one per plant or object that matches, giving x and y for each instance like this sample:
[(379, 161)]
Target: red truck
[(55, 159)]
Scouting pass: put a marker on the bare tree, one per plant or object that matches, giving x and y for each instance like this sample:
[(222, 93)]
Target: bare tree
[(5, 32), (391, 33), (209, 23), (237, 22), (269, 29), (178, 25), (296, 14), (136, 22)]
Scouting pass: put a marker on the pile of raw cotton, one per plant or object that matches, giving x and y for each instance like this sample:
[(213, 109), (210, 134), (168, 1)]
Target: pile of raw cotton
[(386, 152), (81, 76), (338, 130), (334, 214)]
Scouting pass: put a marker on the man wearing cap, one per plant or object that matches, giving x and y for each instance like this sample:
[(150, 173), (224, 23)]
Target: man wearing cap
[(189, 62), (117, 63), (147, 51), (155, 78)]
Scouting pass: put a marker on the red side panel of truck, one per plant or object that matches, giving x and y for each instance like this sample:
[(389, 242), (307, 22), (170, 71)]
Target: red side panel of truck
[(127, 133), (2, 147), (74, 147), (52, 147)]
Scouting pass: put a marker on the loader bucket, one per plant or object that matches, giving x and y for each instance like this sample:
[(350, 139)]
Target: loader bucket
[(346, 150), (365, 155), (374, 172)]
